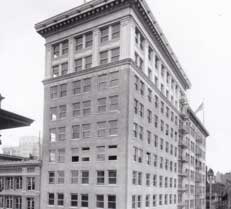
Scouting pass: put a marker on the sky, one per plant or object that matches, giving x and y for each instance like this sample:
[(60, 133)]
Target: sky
[(198, 31)]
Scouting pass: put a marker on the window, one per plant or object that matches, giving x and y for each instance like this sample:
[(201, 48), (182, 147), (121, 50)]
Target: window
[(51, 155), (78, 65), (76, 87), (61, 133), (115, 54), (133, 201), (76, 109), (100, 177), (79, 43), (134, 177), (88, 39), (160, 199), (30, 203), (150, 53), (104, 34), (9, 202), (64, 68), (101, 129), (64, 45), (99, 201), (115, 30), (60, 177), (147, 201), (63, 90), (60, 199), (75, 155), (76, 132), (74, 176), (55, 71), (18, 203), (18, 182), (154, 200), (102, 105), (135, 130), (156, 121), (30, 183), (103, 57), (86, 108), (112, 176), (139, 202), (88, 62), (56, 50), (84, 200), (102, 82), (114, 102), (113, 127), (54, 92), (141, 87), (111, 202), (85, 177), (154, 180), (113, 79), (86, 85), (141, 110), (160, 181), (51, 199), (86, 130), (53, 113), (61, 155), (74, 200), (147, 179), (149, 116), (62, 111), (148, 158), (155, 161), (112, 157), (52, 135), (139, 178)]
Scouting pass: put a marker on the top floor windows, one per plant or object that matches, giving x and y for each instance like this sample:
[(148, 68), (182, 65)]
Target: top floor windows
[(84, 41), (110, 32), (139, 38), (60, 49)]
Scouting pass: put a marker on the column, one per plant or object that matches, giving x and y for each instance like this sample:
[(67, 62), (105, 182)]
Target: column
[(95, 47), (71, 53), (48, 60), (125, 38)]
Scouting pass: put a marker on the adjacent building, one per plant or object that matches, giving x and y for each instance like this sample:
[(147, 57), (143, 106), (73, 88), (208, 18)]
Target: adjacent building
[(118, 130), (19, 183), (29, 146)]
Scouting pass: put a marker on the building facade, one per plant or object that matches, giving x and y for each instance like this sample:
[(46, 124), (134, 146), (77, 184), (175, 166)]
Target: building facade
[(114, 111), (19, 184)]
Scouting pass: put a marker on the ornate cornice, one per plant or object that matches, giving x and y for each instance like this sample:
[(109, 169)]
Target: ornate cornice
[(78, 15), (197, 122), (98, 8)]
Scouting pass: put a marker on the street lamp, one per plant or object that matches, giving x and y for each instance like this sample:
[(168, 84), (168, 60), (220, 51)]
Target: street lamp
[(210, 179)]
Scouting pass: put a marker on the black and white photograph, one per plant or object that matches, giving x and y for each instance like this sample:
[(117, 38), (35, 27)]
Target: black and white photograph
[(115, 104)]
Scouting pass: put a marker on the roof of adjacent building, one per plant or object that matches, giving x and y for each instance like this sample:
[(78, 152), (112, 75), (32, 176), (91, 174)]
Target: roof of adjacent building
[(7, 158), (89, 10), (11, 120), (24, 162)]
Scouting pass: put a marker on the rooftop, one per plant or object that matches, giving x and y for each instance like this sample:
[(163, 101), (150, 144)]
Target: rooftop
[(11, 120)]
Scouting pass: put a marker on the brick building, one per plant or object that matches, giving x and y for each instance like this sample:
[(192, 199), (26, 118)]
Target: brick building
[(118, 131)]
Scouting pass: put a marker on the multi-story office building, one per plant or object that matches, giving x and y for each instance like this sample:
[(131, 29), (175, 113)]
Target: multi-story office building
[(115, 117), (19, 183)]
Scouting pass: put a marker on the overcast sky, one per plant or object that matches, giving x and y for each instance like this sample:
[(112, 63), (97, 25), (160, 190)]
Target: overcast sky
[(198, 31)]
